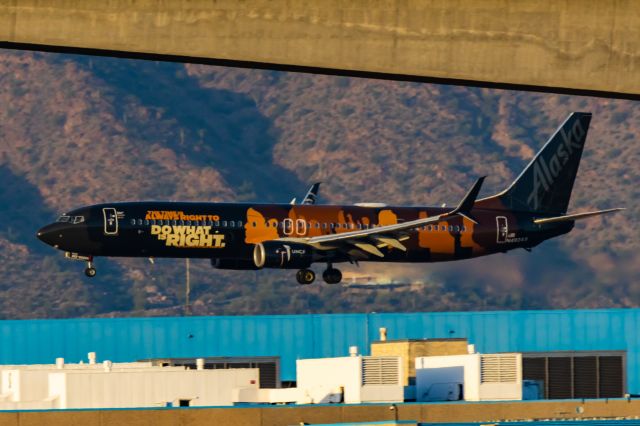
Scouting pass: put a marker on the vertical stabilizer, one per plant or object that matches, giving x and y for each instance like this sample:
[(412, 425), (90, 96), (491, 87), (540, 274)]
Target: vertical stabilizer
[(545, 184)]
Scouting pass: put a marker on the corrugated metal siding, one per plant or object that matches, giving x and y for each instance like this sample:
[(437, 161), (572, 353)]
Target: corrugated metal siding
[(307, 336)]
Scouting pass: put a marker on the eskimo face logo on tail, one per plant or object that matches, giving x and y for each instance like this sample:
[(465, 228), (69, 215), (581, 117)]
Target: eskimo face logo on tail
[(545, 172)]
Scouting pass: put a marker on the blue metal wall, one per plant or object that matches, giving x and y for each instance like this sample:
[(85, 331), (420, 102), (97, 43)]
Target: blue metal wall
[(310, 336)]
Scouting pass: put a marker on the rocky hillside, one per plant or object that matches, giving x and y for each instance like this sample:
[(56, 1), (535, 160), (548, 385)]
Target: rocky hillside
[(78, 130)]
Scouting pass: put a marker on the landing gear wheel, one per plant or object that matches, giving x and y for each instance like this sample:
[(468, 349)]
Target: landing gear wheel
[(90, 271), (305, 276), (332, 276)]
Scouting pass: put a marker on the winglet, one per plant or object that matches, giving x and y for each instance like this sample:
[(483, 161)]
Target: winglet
[(465, 206), (312, 194)]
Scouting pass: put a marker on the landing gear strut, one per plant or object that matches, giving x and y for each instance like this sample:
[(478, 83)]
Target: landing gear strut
[(90, 271), (332, 275), (305, 276)]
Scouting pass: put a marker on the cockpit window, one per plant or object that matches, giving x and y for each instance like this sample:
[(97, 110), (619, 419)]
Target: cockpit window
[(70, 219)]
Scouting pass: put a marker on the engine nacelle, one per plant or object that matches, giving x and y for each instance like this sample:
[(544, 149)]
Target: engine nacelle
[(236, 264), (275, 254)]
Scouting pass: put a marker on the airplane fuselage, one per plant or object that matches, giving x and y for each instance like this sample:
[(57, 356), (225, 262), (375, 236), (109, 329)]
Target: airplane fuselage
[(231, 231)]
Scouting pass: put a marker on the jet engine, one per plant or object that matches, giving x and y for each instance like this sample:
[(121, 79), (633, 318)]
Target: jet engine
[(276, 254), (235, 264)]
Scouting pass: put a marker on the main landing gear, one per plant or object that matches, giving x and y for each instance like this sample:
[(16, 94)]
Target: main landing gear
[(331, 275), (305, 276)]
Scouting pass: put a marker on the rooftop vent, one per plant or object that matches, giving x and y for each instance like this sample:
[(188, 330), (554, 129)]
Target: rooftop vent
[(502, 368), (380, 370)]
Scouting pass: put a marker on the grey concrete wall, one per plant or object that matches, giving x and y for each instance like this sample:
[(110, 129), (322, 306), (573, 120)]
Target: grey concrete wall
[(577, 44)]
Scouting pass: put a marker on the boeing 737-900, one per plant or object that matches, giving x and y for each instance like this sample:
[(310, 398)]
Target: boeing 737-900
[(248, 236)]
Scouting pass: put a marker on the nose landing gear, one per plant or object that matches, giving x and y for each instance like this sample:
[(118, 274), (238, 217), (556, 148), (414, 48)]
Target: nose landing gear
[(89, 271)]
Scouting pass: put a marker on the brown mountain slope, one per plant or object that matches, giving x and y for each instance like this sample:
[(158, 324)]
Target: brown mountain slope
[(80, 130)]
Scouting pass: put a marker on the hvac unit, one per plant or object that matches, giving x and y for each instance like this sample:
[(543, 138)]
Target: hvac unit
[(472, 377), (353, 379)]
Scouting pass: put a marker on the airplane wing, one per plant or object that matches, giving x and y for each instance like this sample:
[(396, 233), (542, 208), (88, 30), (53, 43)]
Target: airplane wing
[(372, 239), (575, 216)]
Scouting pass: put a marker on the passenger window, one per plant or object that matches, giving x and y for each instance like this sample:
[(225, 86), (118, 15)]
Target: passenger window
[(450, 228), (146, 222), (216, 223), (239, 224), (224, 223), (457, 228), (232, 224), (133, 221), (254, 224)]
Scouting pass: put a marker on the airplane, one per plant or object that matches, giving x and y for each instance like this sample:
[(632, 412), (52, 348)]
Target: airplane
[(251, 236)]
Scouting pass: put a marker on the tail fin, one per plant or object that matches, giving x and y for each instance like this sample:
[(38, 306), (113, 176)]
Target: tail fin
[(545, 184)]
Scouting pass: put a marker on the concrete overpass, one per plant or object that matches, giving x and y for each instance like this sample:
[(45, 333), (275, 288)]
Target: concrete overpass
[(574, 46)]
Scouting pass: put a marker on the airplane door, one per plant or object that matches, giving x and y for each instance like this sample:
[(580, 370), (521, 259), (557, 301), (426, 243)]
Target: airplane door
[(287, 226), (301, 227), (503, 229), (110, 221)]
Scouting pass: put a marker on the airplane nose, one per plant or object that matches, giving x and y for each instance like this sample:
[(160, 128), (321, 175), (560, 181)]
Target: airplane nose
[(50, 234)]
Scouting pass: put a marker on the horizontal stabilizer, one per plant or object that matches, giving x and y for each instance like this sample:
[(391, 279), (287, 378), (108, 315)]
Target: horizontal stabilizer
[(575, 216)]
